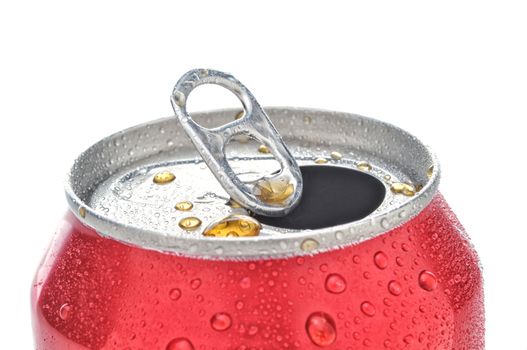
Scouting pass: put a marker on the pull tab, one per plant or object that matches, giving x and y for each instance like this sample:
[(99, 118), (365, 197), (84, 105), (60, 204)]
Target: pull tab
[(272, 195)]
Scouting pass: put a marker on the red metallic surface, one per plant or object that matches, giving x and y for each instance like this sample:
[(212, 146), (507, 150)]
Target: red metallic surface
[(416, 287)]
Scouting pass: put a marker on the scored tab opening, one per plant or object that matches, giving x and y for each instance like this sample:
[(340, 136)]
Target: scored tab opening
[(332, 196)]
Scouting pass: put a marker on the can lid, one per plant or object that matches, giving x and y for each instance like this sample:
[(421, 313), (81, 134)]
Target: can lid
[(253, 123), (147, 186)]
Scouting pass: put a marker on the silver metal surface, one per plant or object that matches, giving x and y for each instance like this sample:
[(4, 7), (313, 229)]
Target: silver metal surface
[(110, 186), (210, 143)]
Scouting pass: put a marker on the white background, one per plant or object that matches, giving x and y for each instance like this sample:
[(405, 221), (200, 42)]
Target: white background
[(453, 73)]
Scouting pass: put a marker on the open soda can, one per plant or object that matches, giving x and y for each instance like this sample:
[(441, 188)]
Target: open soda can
[(288, 228)]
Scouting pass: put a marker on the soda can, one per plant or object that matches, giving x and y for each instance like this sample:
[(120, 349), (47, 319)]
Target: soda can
[(155, 253)]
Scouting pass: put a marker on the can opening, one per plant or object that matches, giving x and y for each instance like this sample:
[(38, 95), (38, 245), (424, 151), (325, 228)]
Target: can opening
[(332, 196)]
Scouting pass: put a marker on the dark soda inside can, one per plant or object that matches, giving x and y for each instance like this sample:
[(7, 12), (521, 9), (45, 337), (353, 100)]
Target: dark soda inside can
[(154, 254), (332, 196)]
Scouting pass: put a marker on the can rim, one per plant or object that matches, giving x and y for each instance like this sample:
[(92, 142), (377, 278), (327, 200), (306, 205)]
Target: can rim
[(327, 238)]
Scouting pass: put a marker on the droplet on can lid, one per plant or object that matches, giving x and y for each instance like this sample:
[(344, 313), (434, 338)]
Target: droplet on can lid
[(264, 149), (274, 190), (403, 188), (336, 155), (189, 223), (309, 245), (184, 206), (164, 177), (321, 160), (234, 226), (239, 115), (430, 171), (82, 212), (364, 166)]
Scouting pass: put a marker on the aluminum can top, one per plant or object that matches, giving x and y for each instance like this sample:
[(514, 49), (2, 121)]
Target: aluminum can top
[(147, 185)]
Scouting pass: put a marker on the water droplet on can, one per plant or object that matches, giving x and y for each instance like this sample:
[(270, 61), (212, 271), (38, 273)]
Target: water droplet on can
[(430, 171), (368, 309), (403, 188), (221, 321), (381, 260), (364, 166), (321, 329), (195, 283), (321, 160), (274, 190), (164, 178), (395, 288), (335, 283), (264, 149), (234, 226), (180, 344), (239, 115), (189, 223), (184, 206), (175, 294), (427, 280), (82, 212), (309, 245), (179, 98), (65, 311), (336, 155)]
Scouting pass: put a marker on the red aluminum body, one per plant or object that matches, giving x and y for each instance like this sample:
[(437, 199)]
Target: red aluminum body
[(418, 286)]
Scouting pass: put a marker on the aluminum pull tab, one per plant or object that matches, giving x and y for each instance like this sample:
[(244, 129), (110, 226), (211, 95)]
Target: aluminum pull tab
[(273, 194)]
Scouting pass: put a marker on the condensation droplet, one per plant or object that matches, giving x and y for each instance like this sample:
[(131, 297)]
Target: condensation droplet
[(264, 149), (430, 171), (180, 344), (308, 245), (184, 206), (274, 190), (164, 177), (189, 223), (175, 294), (336, 155), (364, 166), (335, 283), (234, 226), (368, 309), (427, 280), (381, 260), (195, 283), (321, 329), (395, 288), (239, 115), (221, 321), (403, 188), (65, 311), (321, 160), (82, 212), (245, 282)]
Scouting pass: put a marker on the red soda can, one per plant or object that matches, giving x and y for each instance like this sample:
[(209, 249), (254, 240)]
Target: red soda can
[(157, 253)]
